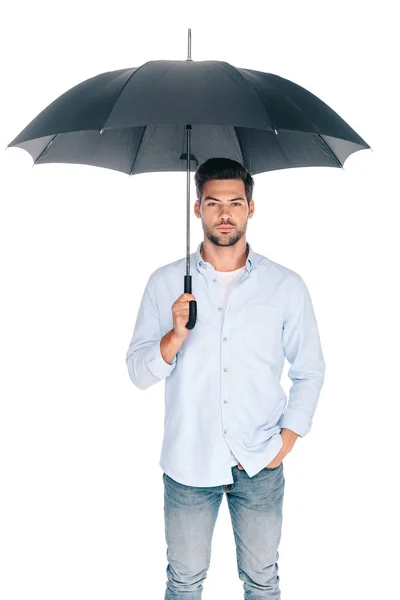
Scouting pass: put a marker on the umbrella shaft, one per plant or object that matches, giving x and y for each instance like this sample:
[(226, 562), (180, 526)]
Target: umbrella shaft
[(188, 131)]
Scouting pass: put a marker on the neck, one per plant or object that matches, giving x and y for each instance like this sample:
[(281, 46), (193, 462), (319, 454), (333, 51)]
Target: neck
[(225, 259)]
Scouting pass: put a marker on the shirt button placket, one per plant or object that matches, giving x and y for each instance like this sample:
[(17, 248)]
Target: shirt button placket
[(225, 370), (225, 339)]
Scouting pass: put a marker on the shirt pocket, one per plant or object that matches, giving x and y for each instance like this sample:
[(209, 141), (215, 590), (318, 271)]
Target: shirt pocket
[(263, 327)]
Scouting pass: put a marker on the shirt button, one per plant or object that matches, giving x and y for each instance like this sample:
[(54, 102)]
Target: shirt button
[(219, 308), (225, 369), (225, 431), (225, 401), (214, 280), (225, 339)]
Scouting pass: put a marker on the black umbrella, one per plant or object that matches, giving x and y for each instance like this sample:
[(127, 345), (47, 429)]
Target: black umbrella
[(172, 115)]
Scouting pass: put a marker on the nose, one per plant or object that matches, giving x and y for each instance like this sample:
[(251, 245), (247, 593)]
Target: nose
[(225, 212)]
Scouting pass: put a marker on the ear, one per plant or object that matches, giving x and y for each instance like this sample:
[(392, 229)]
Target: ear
[(251, 209)]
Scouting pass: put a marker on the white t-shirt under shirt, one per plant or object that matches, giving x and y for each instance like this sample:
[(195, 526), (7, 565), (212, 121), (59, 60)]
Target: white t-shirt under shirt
[(228, 280)]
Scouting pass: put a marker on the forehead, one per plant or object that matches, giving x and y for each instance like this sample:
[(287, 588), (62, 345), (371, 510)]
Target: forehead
[(221, 188)]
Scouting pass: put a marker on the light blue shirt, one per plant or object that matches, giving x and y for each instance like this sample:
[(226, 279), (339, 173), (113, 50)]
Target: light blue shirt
[(222, 390)]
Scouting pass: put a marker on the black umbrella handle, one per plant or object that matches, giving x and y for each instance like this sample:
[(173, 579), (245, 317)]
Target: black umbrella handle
[(192, 303)]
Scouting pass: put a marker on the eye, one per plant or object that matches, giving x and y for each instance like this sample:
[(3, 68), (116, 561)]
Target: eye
[(213, 203)]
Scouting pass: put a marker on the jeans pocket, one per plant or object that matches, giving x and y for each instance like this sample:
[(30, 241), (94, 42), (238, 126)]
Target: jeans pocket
[(273, 468)]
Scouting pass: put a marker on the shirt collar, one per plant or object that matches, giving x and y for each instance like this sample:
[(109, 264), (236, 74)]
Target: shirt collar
[(201, 264)]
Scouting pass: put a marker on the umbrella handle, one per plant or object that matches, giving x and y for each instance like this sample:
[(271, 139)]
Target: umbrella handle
[(192, 303)]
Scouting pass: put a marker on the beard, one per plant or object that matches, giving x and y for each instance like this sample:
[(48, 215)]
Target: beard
[(227, 238)]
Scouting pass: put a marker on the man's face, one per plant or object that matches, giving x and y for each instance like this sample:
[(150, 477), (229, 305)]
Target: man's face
[(224, 202)]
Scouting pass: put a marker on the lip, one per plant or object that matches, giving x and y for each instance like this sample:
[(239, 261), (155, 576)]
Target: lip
[(224, 228)]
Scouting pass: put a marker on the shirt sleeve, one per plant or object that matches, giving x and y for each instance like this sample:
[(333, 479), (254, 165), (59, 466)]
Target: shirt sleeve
[(144, 360), (302, 348)]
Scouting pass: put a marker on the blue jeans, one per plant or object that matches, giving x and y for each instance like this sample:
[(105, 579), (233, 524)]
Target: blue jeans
[(255, 506)]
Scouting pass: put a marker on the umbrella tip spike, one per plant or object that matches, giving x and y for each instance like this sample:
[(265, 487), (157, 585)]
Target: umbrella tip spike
[(189, 56)]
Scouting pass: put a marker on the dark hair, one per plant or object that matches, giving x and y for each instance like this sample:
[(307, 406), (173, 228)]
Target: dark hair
[(223, 168)]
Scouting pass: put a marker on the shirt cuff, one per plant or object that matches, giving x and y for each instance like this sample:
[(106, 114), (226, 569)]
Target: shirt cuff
[(296, 421), (155, 362)]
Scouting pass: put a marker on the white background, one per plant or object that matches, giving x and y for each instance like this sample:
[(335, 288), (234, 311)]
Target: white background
[(81, 490)]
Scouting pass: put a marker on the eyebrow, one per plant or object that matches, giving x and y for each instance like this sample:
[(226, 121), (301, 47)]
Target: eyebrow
[(218, 200)]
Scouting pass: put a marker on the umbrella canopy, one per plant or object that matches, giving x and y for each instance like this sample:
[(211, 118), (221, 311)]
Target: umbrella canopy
[(134, 120), (154, 117)]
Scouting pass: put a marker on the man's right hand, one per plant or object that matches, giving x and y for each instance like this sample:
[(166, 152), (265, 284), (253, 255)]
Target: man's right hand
[(180, 314)]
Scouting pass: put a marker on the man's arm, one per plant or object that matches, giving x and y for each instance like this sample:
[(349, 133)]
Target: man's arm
[(170, 346), (145, 358), (302, 348)]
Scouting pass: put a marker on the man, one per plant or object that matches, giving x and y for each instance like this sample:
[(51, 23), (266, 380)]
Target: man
[(227, 427)]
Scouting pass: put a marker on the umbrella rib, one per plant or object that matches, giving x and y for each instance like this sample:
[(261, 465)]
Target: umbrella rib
[(244, 158), (331, 151), (315, 127), (280, 147), (44, 149), (243, 75), (138, 147), (120, 92), (259, 97)]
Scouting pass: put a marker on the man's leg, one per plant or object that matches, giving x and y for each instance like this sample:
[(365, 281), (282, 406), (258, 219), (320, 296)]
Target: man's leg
[(190, 515), (255, 504)]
